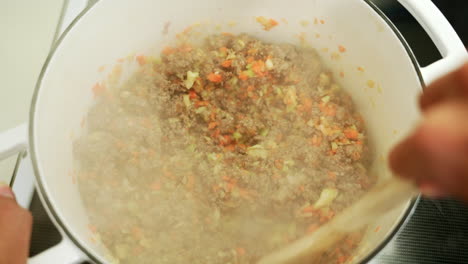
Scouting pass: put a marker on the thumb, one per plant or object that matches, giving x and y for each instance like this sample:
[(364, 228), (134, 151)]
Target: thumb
[(5, 191)]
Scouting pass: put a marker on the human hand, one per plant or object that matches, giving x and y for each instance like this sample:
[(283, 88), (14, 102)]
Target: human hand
[(435, 156), (15, 229)]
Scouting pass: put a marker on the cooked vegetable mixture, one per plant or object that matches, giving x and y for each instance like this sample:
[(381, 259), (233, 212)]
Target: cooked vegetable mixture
[(220, 153)]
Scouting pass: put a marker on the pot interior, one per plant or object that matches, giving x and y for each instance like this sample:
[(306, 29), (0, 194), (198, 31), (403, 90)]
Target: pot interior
[(378, 72)]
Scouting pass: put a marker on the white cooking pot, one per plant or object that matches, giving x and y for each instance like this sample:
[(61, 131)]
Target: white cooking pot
[(384, 88)]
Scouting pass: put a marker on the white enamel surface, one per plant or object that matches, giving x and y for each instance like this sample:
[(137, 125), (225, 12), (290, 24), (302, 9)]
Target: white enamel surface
[(114, 29)]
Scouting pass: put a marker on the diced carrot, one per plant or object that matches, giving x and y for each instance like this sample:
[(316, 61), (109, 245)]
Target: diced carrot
[(215, 77), (243, 76), (98, 89), (267, 23), (192, 94), (377, 229), (332, 176), (230, 148), (226, 63), (322, 21), (240, 251), (250, 88), (361, 69), (168, 50), (312, 228), (201, 103), (301, 188), (356, 155), (190, 181), (351, 134), (92, 228), (342, 75), (309, 209), (329, 110), (141, 59), (306, 105), (185, 48), (156, 186), (187, 30), (223, 49), (279, 164), (212, 125), (316, 140), (226, 140), (342, 259), (341, 49), (258, 67), (137, 232), (273, 22), (226, 34), (250, 59)]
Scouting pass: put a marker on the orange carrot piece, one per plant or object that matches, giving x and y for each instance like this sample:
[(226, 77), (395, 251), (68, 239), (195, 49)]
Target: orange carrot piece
[(351, 134), (141, 59), (258, 67), (240, 251), (332, 176), (98, 89), (226, 63), (243, 76), (192, 94), (377, 229), (168, 50), (215, 77), (342, 259), (201, 103), (156, 186), (341, 49), (279, 164), (312, 228), (212, 125), (309, 209)]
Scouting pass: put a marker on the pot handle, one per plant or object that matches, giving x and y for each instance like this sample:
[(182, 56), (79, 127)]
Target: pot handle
[(443, 35), (13, 141), (64, 252)]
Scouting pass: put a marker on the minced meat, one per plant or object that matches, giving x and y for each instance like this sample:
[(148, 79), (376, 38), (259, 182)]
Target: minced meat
[(220, 153)]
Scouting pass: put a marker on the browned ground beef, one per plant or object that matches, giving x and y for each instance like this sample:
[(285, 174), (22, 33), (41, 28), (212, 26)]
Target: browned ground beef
[(220, 153)]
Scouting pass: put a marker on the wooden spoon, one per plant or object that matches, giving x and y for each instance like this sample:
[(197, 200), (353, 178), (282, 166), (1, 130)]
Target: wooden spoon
[(380, 199)]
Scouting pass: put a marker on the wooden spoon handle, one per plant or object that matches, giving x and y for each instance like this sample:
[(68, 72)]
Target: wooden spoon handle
[(380, 199)]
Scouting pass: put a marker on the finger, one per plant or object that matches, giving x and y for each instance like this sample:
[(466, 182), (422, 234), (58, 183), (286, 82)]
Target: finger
[(452, 86), (15, 229), (437, 152), (5, 191)]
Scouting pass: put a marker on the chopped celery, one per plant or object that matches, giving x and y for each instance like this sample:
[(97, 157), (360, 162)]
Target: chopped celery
[(326, 99), (326, 198), (191, 77), (269, 64), (236, 135), (257, 151), (200, 110), (187, 102)]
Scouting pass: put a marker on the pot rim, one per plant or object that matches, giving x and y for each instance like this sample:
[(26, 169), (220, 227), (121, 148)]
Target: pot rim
[(52, 211)]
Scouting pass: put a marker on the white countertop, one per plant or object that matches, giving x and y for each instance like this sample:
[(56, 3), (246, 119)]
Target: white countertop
[(27, 29)]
